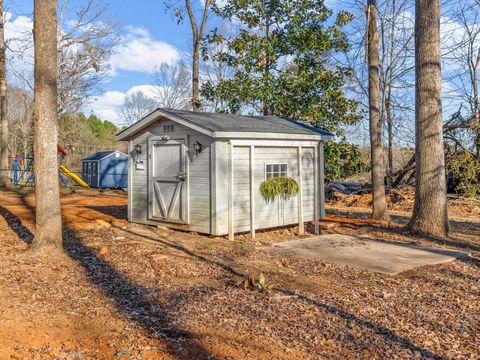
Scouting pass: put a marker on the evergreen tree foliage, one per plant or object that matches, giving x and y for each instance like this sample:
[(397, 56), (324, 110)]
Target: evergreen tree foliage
[(343, 160), (103, 130), (282, 60)]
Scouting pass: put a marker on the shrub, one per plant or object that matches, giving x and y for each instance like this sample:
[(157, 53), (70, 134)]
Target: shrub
[(260, 285), (463, 173), (343, 160)]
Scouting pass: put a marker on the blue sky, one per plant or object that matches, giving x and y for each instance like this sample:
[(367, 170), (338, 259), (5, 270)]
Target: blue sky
[(151, 16), (150, 36)]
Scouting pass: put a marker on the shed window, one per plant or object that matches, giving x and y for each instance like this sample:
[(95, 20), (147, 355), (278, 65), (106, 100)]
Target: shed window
[(275, 170)]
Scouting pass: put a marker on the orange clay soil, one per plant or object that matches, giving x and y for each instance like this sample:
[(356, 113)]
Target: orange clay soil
[(79, 211), (138, 292)]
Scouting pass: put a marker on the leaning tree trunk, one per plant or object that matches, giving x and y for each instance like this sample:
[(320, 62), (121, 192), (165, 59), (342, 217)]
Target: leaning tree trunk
[(430, 215), (376, 146), (4, 180), (48, 233)]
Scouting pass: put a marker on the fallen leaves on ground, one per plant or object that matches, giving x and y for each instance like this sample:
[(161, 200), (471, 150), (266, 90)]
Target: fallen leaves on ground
[(139, 292)]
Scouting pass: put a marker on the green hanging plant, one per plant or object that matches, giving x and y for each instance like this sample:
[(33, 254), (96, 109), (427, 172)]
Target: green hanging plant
[(280, 186)]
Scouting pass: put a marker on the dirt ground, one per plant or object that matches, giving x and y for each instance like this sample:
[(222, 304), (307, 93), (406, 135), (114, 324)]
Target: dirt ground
[(138, 292)]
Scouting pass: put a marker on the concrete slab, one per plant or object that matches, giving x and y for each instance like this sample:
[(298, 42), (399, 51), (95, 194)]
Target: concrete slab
[(372, 255)]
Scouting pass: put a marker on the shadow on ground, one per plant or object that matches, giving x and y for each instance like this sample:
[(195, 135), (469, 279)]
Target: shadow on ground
[(16, 224), (458, 228), (117, 211), (134, 300), (387, 334), (130, 298)]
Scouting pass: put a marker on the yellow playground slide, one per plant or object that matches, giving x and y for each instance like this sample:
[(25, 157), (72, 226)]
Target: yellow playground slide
[(75, 178)]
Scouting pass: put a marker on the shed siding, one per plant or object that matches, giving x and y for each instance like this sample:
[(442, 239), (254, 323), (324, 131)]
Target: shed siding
[(198, 171), (221, 187), (138, 201), (241, 189), (106, 170), (279, 212), (112, 171), (308, 177)]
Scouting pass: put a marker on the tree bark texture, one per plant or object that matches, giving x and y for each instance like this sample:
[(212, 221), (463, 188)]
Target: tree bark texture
[(377, 155), (4, 179), (430, 215), (48, 234), (390, 140), (476, 108), (197, 37), (197, 106), (266, 73)]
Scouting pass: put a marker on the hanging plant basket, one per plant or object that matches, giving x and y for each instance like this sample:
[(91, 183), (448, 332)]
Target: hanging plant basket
[(279, 187)]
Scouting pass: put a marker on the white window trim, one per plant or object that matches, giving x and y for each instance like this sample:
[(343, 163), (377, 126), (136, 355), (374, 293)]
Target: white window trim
[(275, 163)]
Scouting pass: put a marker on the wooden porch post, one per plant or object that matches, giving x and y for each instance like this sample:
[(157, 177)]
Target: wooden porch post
[(316, 181), (321, 179), (252, 191), (231, 235), (301, 226)]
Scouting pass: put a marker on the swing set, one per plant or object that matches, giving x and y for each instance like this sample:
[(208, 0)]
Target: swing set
[(26, 176)]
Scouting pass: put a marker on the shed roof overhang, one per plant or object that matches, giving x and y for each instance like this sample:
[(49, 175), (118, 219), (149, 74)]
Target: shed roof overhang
[(131, 131)]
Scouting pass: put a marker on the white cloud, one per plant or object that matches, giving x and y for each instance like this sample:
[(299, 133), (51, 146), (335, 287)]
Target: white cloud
[(20, 26), (139, 52), (148, 90), (219, 3), (19, 39), (107, 106)]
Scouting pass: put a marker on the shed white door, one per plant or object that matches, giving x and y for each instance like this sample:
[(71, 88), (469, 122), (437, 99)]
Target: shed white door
[(167, 181)]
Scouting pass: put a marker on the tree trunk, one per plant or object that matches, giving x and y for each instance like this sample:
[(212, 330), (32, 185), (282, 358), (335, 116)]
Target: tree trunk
[(430, 215), (476, 111), (266, 72), (48, 233), (401, 174), (376, 146), (197, 36), (390, 140), (197, 106), (4, 180)]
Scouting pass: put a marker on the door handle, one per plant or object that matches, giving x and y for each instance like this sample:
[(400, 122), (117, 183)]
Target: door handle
[(181, 177)]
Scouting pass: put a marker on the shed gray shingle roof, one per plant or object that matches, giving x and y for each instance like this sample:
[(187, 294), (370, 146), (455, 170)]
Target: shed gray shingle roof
[(241, 123), (222, 123)]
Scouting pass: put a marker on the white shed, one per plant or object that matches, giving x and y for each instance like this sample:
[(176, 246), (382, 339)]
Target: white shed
[(202, 171)]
